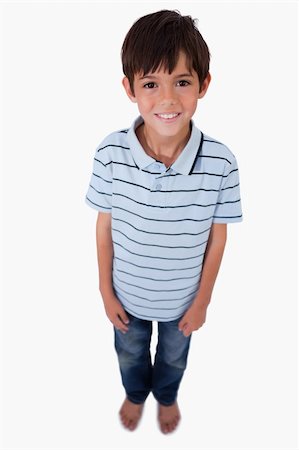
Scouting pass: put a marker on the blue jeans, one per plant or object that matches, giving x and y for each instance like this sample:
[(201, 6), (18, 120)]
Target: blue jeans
[(139, 376)]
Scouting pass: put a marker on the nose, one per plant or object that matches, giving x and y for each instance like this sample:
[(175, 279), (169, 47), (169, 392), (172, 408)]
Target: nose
[(167, 96)]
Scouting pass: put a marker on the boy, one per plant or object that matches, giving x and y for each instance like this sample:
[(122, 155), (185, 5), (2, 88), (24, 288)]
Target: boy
[(164, 192)]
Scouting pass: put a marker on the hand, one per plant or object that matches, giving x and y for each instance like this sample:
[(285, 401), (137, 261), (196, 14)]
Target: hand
[(193, 319), (116, 314)]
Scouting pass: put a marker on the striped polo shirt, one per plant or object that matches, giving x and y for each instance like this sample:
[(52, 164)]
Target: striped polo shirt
[(161, 217)]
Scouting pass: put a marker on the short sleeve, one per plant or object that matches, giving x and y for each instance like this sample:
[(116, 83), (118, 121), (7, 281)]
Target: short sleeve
[(228, 208), (99, 193)]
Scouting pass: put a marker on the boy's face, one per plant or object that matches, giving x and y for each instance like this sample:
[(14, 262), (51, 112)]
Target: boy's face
[(166, 101)]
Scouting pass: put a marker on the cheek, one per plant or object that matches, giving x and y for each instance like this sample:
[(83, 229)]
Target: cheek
[(145, 102), (190, 101), (189, 97)]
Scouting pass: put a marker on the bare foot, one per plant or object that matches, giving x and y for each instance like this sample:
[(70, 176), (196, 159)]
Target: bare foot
[(130, 414), (169, 417)]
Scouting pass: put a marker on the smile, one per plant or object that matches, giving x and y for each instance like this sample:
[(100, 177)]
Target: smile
[(168, 117)]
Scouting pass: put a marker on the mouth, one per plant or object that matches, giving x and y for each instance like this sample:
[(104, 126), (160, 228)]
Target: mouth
[(169, 117)]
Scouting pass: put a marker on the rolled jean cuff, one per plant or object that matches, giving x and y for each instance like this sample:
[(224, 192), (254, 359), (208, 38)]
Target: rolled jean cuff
[(136, 402), (164, 403)]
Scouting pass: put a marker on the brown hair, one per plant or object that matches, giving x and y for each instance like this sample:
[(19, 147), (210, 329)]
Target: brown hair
[(155, 40)]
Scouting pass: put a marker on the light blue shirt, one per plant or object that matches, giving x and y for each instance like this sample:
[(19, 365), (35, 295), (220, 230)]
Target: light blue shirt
[(161, 217)]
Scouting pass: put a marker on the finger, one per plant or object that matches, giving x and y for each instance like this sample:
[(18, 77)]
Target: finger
[(120, 325), (182, 324), (186, 328), (123, 317), (187, 331)]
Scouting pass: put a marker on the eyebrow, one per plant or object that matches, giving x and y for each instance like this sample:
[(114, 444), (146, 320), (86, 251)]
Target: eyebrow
[(182, 75)]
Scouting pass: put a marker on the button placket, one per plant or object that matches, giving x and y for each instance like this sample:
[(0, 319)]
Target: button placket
[(155, 168)]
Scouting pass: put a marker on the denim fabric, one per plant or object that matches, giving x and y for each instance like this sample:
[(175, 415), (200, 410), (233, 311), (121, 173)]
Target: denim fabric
[(139, 375)]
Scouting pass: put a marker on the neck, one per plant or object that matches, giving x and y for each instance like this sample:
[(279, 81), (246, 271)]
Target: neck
[(163, 148)]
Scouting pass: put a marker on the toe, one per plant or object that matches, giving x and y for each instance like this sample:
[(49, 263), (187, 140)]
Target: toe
[(125, 422), (165, 428), (133, 424)]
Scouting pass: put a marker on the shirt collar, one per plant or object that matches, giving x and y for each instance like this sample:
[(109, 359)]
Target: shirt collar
[(183, 164)]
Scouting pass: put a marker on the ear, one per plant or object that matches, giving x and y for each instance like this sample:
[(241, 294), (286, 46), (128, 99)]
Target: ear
[(126, 85), (204, 86)]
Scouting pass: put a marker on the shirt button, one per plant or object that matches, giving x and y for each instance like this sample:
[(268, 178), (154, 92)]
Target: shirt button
[(159, 187), (156, 166)]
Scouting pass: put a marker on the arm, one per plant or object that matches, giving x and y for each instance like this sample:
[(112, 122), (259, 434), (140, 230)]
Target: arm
[(113, 307), (195, 316)]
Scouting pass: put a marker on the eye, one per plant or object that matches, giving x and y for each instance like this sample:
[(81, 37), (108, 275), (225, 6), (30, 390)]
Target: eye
[(150, 85), (183, 83)]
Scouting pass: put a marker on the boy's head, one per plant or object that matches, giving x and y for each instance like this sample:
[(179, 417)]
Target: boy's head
[(156, 41)]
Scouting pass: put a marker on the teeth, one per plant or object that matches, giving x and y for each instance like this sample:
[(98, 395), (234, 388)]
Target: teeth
[(168, 116)]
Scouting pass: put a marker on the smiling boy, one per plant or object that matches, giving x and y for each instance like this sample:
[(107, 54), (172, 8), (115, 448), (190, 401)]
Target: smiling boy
[(164, 192)]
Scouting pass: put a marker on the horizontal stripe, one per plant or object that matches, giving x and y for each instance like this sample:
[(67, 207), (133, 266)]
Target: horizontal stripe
[(215, 157), (137, 185), (157, 279), (150, 316), (173, 190), (227, 217), (157, 268), (114, 163), (156, 257), (103, 179), (100, 192), (156, 245), (156, 300), (113, 145), (120, 163), (213, 174), (228, 202), (166, 308), (230, 187), (162, 234), (116, 194), (154, 290), (97, 204), (169, 175), (232, 171), (163, 220)]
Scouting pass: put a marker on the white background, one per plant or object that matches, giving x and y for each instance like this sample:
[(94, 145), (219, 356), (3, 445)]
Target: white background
[(62, 95)]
